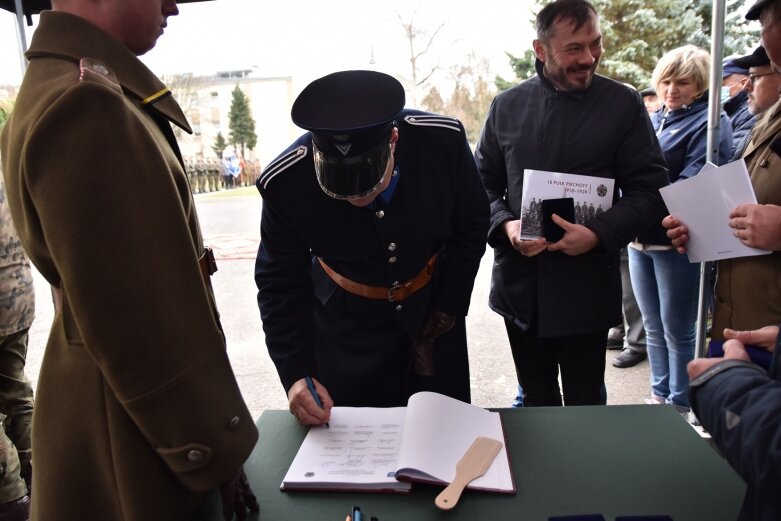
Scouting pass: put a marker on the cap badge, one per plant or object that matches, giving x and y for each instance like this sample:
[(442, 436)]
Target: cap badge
[(344, 148)]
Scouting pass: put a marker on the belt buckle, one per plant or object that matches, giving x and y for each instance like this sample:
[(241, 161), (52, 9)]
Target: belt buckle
[(391, 290)]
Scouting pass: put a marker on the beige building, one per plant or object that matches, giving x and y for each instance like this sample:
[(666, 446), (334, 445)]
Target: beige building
[(206, 100)]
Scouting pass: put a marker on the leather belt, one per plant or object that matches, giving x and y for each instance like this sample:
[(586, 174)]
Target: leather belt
[(207, 263), (395, 293)]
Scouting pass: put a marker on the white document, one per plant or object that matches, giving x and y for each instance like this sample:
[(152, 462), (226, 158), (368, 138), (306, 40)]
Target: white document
[(591, 196), (384, 449), (359, 451), (703, 203)]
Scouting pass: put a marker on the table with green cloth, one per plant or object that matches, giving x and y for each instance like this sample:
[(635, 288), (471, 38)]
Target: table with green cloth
[(618, 460)]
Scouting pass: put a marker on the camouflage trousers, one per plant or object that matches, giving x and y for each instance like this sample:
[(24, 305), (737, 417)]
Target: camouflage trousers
[(16, 410)]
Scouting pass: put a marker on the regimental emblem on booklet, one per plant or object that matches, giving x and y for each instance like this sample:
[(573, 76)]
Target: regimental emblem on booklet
[(602, 190)]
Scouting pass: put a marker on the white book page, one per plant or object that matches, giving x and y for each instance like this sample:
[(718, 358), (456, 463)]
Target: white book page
[(438, 431), (703, 203), (360, 448)]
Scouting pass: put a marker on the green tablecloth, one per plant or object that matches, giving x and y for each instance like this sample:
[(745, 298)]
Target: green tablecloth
[(617, 460)]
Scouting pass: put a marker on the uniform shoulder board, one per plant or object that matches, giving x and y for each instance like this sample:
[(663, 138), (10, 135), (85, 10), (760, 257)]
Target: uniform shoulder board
[(281, 164), (94, 70), (433, 120)]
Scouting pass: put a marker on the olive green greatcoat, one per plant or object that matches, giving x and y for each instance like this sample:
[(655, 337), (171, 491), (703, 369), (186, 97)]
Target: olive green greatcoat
[(748, 289), (138, 412)]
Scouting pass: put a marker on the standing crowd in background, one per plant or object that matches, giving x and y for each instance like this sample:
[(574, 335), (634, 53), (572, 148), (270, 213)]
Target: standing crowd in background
[(213, 175), (363, 296)]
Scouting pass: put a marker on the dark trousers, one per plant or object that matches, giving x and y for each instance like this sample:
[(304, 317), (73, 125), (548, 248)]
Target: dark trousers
[(634, 334), (580, 358)]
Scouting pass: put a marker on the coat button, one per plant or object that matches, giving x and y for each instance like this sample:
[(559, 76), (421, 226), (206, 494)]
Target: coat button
[(392, 260), (195, 456), (392, 246), (380, 214), (399, 307), (233, 423)]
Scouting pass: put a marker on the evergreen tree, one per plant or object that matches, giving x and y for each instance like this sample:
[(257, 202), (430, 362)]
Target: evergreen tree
[(637, 33), (5, 110), (739, 36), (219, 144), (240, 122), (523, 68)]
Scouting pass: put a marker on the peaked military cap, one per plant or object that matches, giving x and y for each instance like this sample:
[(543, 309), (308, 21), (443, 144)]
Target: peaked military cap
[(757, 58), (350, 115), (756, 9)]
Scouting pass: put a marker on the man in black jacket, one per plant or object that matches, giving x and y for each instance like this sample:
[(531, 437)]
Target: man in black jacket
[(560, 299)]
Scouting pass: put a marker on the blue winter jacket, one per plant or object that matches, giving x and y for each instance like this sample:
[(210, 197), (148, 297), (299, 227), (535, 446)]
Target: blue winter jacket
[(742, 121), (683, 136)]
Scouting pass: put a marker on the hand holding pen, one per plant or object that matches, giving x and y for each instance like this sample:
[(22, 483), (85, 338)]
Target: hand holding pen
[(310, 402)]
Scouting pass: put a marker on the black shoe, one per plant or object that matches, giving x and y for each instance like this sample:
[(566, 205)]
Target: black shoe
[(615, 339), (629, 358), (16, 510)]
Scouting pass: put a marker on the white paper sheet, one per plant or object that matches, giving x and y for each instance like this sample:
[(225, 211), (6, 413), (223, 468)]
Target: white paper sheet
[(361, 448), (703, 203)]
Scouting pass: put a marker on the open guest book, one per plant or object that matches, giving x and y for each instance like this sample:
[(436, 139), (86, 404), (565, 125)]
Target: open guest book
[(371, 449)]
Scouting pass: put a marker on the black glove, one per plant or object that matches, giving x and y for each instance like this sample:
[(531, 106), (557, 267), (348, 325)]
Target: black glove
[(437, 323), (237, 497)]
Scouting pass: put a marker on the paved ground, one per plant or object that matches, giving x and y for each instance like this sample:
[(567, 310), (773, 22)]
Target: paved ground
[(230, 222)]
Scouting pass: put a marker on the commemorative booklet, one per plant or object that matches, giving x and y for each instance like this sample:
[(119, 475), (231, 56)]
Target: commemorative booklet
[(591, 196), (373, 449), (704, 203)]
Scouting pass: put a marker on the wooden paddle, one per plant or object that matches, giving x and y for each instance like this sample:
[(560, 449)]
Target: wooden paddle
[(474, 463)]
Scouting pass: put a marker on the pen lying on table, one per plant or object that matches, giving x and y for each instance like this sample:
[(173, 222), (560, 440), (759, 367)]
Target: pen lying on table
[(357, 515)]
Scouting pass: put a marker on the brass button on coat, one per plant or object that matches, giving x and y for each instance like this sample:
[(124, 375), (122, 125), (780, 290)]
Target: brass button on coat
[(392, 260), (195, 456), (380, 214), (233, 423), (392, 246)]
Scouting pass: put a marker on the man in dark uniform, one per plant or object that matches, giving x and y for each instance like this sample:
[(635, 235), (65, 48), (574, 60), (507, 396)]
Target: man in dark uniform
[(372, 231)]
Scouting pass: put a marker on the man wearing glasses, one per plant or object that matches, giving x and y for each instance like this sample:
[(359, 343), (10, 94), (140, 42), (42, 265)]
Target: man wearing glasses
[(762, 87), (372, 230)]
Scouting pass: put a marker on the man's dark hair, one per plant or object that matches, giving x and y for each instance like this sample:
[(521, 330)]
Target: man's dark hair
[(579, 11)]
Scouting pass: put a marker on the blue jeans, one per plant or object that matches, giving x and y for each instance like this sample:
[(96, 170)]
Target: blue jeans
[(666, 286)]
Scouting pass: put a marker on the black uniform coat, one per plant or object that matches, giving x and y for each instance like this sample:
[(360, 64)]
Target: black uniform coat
[(359, 348), (603, 131)]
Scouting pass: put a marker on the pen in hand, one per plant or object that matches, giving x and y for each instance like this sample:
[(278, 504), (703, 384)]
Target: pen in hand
[(311, 386)]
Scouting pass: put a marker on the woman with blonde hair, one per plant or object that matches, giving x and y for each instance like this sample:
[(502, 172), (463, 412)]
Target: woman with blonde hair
[(665, 283)]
